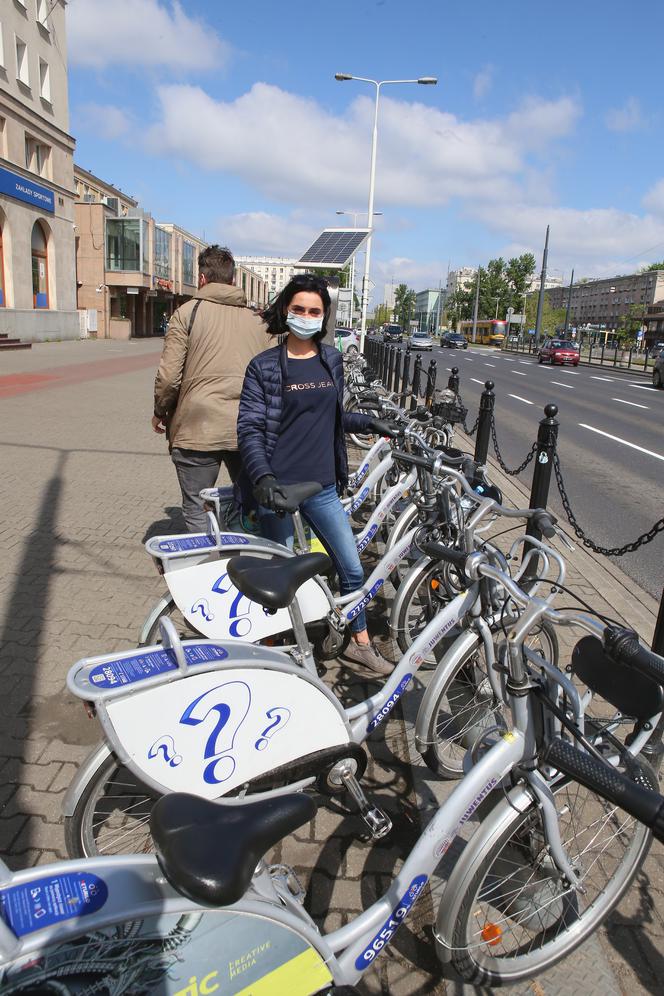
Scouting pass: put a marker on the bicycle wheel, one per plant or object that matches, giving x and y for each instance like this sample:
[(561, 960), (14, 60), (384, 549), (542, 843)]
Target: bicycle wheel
[(518, 916), (467, 707), (426, 590), (112, 815)]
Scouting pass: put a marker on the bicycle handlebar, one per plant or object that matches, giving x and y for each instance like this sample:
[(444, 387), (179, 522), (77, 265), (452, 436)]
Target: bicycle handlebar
[(624, 647), (639, 801)]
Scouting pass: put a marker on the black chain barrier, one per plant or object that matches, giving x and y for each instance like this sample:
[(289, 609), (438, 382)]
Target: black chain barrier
[(469, 432), (617, 551), (512, 473)]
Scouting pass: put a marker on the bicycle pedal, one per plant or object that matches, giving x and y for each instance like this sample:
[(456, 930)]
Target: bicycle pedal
[(378, 822)]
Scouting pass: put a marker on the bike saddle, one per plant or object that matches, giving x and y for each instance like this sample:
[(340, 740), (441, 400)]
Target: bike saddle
[(209, 852), (274, 582)]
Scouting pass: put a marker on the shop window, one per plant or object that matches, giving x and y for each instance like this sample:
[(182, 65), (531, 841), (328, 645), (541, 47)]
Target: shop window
[(39, 267), (3, 302)]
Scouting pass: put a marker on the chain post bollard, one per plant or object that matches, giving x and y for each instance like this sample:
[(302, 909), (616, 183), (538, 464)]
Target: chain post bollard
[(431, 383), (547, 436), (415, 389), (396, 377), (386, 360), (485, 418), (453, 380), (404, 377), (390, 367)]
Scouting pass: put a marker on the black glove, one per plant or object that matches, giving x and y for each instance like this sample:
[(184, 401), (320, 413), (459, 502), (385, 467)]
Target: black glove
[(265, 491), (384, 428)]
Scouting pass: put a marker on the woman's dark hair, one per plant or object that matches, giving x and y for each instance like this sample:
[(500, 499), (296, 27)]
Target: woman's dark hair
[(275, 315)]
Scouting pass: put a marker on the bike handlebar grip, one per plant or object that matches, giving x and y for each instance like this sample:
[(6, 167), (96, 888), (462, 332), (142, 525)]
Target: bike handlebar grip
[(545, 522), (413, 460), (640, 802), (624, 647), (438, 551)]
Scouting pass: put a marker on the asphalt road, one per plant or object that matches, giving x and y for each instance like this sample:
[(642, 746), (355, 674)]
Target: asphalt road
[(610, 442)]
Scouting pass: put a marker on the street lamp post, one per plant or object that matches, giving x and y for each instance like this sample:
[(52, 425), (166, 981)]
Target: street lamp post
[(341, 77), (356, 215)]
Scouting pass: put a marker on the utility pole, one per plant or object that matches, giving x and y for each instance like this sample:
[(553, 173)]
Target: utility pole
[(477, 302), (569, 303), (540, 299)]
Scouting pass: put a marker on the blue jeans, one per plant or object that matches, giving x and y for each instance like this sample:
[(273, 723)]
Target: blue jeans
[(325, 514)]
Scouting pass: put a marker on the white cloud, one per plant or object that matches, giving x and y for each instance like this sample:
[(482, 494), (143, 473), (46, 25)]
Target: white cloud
[(629, 117), (258, 232), (142, 33), (418, 274), (654, 198), (483, 82), (105, 120), (425, 156)]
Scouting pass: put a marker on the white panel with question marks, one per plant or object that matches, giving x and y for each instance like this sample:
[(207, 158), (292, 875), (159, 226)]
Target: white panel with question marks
[(206, 597), (214, 731)]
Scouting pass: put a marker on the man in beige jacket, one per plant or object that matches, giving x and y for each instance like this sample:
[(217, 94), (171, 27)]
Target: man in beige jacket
[(209, 342)]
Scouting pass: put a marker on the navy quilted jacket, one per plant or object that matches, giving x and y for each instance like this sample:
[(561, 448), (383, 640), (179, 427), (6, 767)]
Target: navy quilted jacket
[(261, 403)]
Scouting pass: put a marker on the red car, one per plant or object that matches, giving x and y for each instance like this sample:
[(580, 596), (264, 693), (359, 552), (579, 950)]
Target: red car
[(562, 351)]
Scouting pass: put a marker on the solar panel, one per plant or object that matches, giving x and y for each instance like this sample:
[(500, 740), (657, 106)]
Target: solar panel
[(334, 247)]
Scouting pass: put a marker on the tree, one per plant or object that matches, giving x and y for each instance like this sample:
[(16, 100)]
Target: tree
[(652, 266), (519, 273), (333, 271), (629, 324), (552, 318), (404, 304), (382, 314), (459, 305)]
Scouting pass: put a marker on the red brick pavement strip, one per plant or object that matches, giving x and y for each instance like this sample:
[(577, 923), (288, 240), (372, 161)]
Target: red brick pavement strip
[(75, 373)]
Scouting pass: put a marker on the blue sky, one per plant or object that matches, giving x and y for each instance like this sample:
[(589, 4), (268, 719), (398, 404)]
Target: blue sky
[(226, 119)]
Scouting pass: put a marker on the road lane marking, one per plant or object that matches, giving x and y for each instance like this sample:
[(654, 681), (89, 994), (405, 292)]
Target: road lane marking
[(489, 364), (476, 381), (617, 439), (643, 387), (558, 383), (518, 373), (468, 358), (609, 380), (632, 403), (525, 362), (525, 400), (572, 373)]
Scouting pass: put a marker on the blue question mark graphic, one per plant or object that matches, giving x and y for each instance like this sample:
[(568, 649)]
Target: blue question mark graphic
[(202, 606), (282, 716), (166, 747), (241, 623), (230, 702)]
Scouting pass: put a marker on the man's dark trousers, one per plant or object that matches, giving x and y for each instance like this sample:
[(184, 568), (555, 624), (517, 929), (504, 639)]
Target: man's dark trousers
[(198, 469)]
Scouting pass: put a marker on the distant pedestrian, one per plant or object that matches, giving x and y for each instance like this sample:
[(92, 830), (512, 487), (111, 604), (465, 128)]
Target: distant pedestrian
[(209, 342)]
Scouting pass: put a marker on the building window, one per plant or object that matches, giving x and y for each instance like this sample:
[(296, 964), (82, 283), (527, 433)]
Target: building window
[(146, 247), (44, 81), (42, 13), (2, 50), (123, 244), (188, 263), (37, 156), (162, 253), (3, 302), (39, 267), (22, 67)]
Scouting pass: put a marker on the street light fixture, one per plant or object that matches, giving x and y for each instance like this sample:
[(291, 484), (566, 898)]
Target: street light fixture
[(423, 81)]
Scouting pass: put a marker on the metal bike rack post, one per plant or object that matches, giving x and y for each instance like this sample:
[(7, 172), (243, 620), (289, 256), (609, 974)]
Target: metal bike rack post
[(415, 389), (547, 436), (431, 383), (453, 380), (404, 378), (390, 367), (396, 377), (383, 369), (487, 403), (653, 751)]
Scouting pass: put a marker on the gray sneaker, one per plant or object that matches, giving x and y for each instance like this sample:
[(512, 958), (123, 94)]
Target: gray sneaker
[(368, 656)]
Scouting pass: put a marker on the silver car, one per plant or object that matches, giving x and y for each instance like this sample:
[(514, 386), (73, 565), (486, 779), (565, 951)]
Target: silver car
[(421, 340)]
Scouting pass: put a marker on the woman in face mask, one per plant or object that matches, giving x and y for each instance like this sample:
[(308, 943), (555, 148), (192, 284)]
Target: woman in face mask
[(291, 428)]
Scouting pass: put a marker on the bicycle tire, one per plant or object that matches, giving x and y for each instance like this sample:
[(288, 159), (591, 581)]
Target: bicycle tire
[(526, 895), (82, 829), (466, 706), (423, 592)]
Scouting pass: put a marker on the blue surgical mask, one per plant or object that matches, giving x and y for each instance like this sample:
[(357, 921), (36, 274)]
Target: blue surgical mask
[(303, 328)]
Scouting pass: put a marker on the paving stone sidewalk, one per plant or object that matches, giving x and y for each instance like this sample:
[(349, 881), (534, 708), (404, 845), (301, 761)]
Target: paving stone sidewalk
[(84, 481)]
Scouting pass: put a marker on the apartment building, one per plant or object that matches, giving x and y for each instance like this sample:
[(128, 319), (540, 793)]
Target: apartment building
[(428, 309), (37, 257), (460, 279), (132, 271), (604, 303), (276, 271)]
